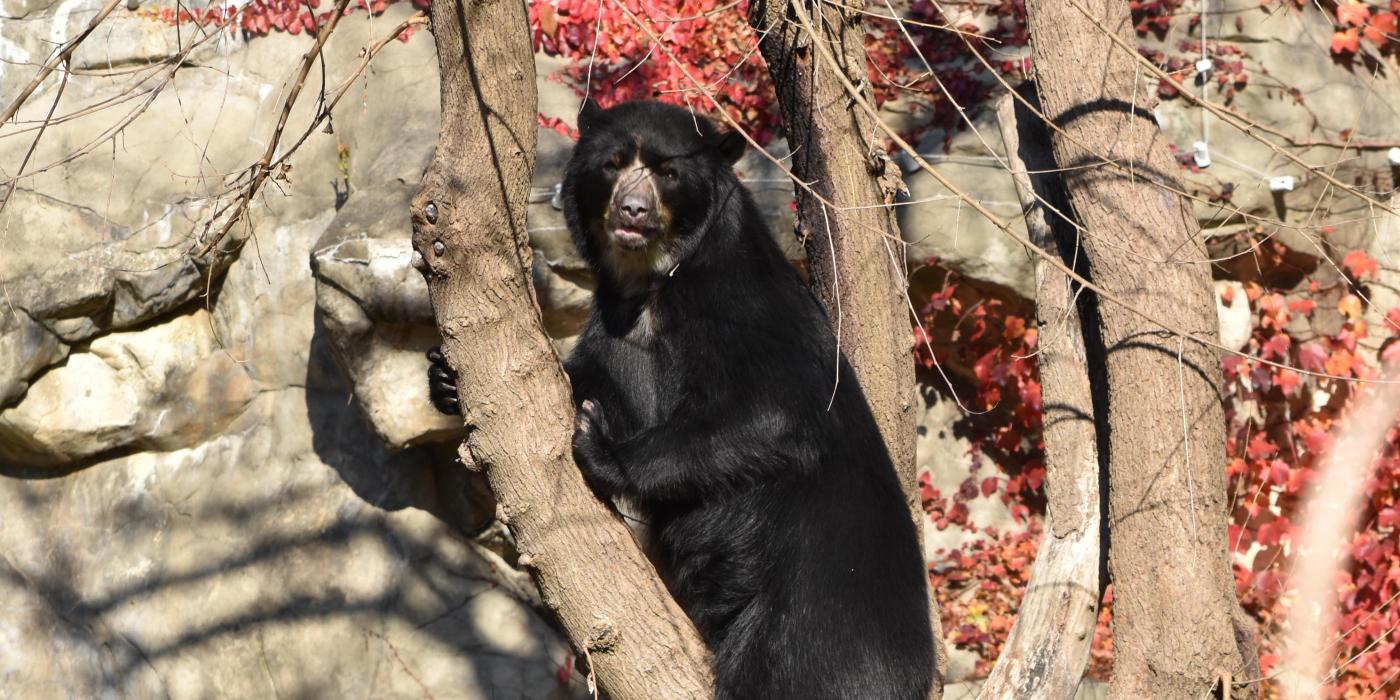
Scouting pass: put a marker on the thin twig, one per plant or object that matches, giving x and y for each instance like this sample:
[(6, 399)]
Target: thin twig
[(259, 171), (997, 221), (61, 57), (33, 144)]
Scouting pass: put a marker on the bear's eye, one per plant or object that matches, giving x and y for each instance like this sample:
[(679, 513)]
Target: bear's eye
[(666, 171), (614, 162)]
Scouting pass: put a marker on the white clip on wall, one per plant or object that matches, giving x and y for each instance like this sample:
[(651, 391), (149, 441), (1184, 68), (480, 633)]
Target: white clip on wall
[(1200, 152)]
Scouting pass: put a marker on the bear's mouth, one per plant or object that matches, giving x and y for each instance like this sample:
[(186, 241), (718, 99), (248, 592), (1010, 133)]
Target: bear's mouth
[(631, 237)]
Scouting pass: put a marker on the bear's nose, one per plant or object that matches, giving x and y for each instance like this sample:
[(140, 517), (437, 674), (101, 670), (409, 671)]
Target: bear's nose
[(634, 206)]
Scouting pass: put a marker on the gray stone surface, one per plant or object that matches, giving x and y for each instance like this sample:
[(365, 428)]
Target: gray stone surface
[(158, 388), (374, 307), (75, 274), (192, 503), (291, 556), (938, 225), (1289, 50)]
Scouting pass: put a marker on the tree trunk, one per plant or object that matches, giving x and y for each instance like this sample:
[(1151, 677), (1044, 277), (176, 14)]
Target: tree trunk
[(470, 242), (855, 256), (854, 251), (1174, 599), (1048, 648)]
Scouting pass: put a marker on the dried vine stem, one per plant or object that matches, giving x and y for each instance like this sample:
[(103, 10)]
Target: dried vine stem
[(366, 55), (169, 67), (10, 191), (859, 100), (258, 172), (324, 113), (59, 58)]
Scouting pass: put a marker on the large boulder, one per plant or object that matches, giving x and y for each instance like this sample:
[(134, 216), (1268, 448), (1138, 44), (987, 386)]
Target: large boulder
[(192, 504), (73, 274), (375, 309), (158, 388)]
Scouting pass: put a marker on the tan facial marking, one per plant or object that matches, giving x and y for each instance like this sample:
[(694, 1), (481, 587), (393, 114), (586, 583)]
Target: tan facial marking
[(658, 256)]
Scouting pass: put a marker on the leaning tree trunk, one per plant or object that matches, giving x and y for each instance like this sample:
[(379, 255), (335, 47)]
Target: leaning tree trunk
[(854, 250), (1174, 600), (855, 255), (470, 242), (1048, 648)]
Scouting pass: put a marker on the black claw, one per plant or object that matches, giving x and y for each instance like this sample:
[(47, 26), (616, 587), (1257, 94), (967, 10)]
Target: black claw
[(447, 405), (442, 384)]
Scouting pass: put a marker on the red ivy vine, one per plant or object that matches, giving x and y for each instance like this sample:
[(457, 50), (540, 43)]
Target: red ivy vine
[(1281, 423)]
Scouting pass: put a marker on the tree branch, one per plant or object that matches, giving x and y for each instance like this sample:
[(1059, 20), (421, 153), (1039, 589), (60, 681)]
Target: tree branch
[(470, 241)]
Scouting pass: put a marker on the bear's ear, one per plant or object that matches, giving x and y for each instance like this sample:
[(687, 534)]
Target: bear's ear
[(590, 116), (730, 145)]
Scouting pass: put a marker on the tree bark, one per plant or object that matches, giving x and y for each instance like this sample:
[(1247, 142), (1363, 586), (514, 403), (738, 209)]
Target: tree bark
[(1174, 601), (471, 244), (855, 256), (854, 251), (1048, 648)]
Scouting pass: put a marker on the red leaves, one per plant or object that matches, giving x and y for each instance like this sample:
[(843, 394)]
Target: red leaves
[(1346, 42), (1276, 347), (1278, 440), (1260, 447), (979, 587), (1381, 29), (1357, 20), (557, 125), (989, 485), (711, 40), (565, 672), (1352, 13), (1360, 265), (1227, 294), (1312, 357), (1152, 16), (1342, 363)]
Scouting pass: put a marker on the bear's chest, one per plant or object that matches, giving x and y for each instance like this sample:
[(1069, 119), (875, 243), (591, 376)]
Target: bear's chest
[(646, 370)]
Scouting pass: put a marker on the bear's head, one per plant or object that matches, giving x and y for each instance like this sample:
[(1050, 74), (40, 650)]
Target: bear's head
[(644, 185)]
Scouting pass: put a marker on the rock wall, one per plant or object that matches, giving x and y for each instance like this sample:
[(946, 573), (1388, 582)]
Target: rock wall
[(221, 476), (195, 499)]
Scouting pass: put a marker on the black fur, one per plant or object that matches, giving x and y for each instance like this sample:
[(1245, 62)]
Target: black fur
[(705, 396)]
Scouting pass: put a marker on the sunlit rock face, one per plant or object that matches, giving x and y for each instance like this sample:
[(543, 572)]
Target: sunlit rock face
[(196, 500)]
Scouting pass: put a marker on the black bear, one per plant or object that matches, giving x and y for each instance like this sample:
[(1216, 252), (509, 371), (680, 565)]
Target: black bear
[(712, 395)]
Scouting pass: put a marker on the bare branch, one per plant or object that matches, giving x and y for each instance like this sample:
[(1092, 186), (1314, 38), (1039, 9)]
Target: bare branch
[(58, 59)]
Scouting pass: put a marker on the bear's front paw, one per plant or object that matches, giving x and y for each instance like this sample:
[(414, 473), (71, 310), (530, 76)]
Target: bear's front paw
[(442, 384), (593, 451)]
